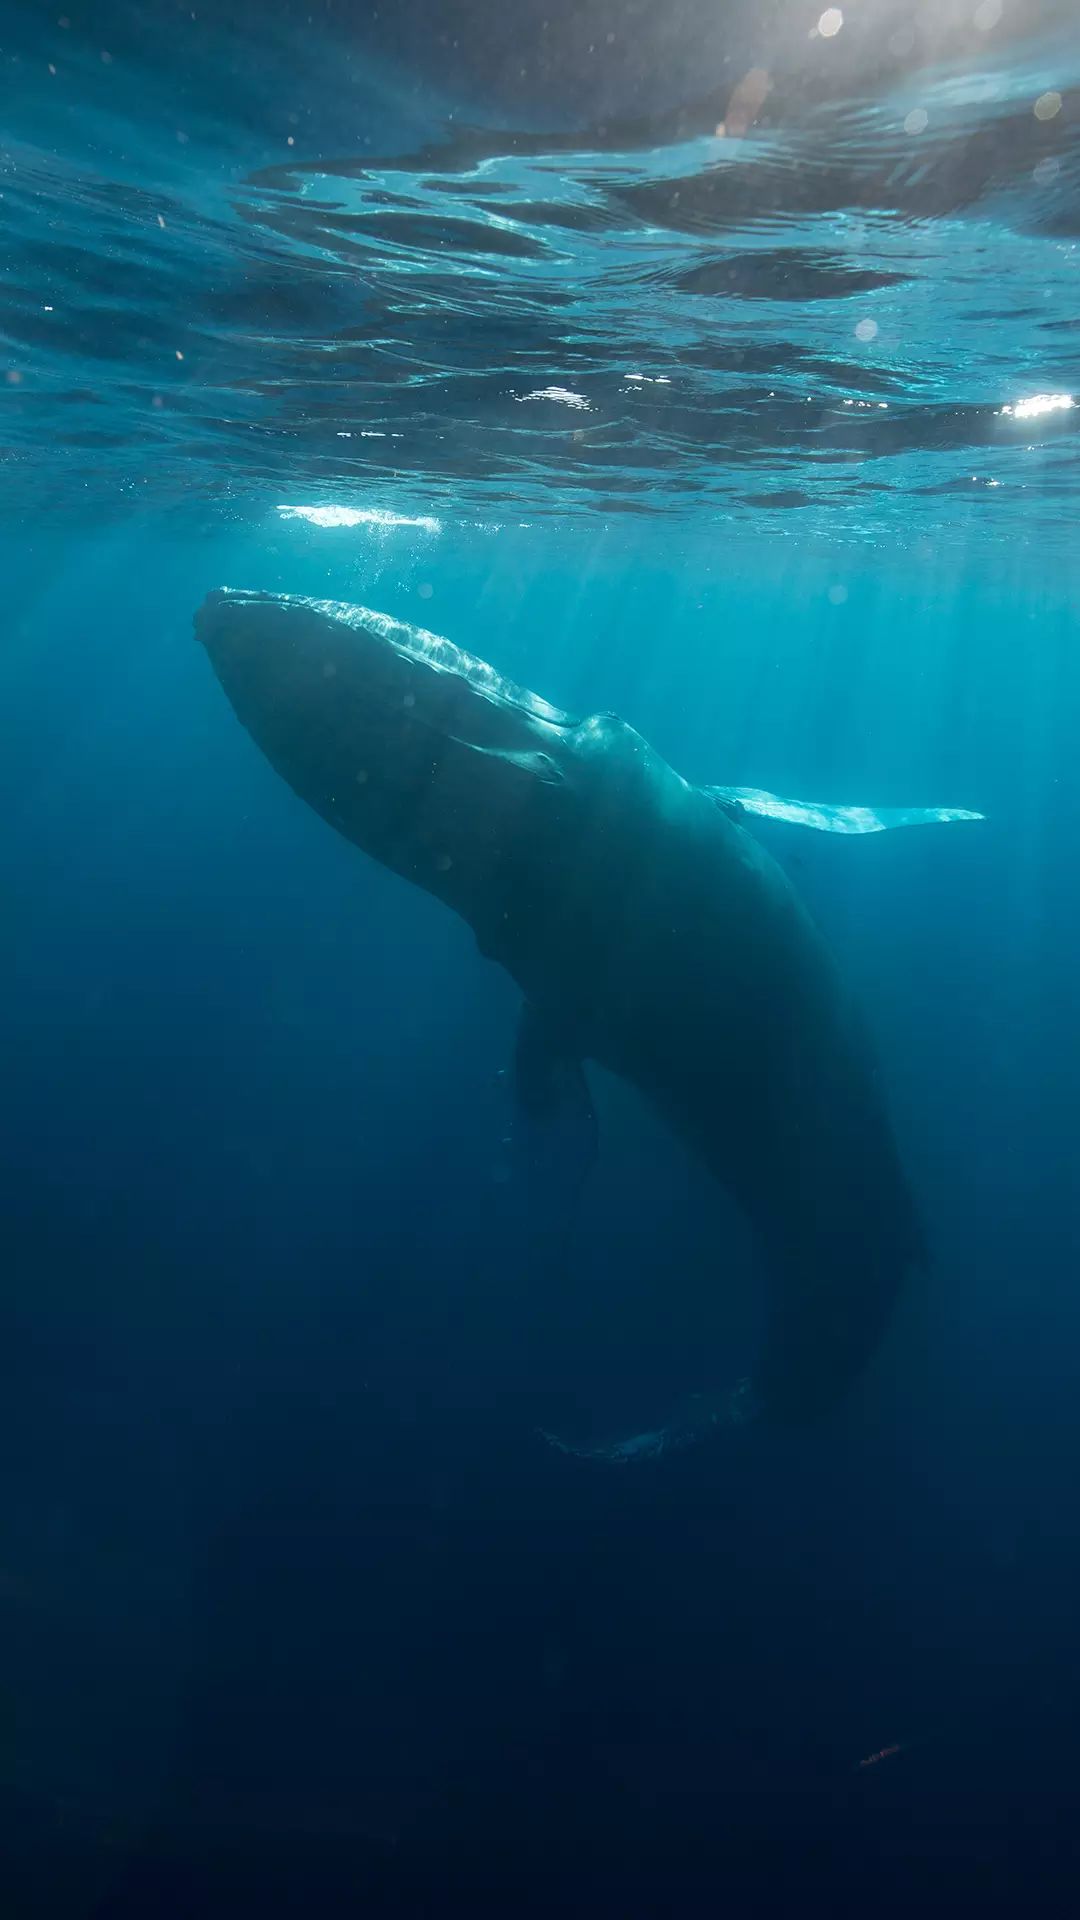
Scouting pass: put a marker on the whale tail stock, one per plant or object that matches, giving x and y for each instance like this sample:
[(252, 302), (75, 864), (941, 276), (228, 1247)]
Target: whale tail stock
[(834, 1281), (817, 1344), (837, 1264), (832, 1295)]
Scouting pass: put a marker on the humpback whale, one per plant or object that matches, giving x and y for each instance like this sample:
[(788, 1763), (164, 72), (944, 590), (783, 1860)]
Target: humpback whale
[(648, 929)]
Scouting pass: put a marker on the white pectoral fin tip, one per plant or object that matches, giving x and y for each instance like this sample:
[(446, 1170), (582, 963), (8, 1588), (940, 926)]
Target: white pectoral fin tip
[(826, 819)]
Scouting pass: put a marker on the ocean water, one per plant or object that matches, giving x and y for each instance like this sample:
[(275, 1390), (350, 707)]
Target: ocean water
[(715, 366)]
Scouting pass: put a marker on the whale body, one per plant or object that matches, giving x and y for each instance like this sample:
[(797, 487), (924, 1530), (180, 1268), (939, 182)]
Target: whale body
[(646, 926)]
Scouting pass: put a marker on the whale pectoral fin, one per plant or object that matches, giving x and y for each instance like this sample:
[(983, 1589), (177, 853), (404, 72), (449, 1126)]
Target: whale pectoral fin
[(552, 1093), (829, 819)]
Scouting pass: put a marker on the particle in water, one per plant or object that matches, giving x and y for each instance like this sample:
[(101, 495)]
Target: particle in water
[(830, 23), (425, 590), (866, 330), (838, 595), (916, 121)]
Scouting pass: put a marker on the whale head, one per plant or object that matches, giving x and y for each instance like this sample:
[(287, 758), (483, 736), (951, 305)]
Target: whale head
[(416, 751)]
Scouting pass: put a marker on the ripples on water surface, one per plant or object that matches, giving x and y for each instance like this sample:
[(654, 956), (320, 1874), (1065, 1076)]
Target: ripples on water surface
[(274, 267)]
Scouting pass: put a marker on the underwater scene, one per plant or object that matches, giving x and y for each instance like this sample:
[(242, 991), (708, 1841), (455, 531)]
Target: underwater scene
[(539, 714)]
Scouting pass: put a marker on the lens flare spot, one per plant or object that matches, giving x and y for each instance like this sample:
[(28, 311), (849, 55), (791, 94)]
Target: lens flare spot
[(1047, 105)]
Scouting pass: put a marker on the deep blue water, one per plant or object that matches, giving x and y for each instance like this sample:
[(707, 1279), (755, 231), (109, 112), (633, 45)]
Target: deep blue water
[(297, 1614)]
